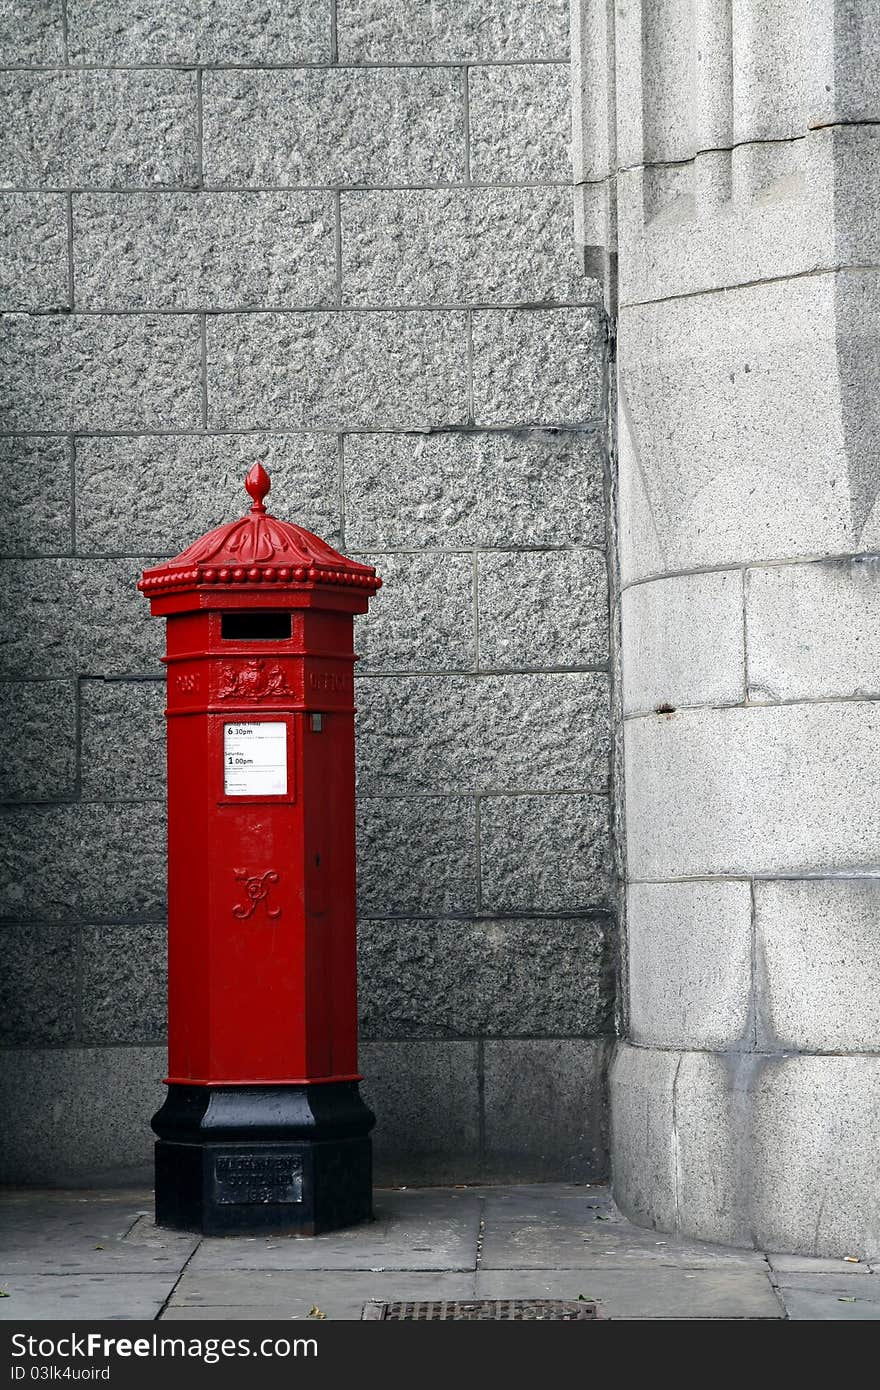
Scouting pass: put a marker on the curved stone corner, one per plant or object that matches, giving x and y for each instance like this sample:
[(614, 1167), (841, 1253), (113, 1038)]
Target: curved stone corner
[(776, 1152)]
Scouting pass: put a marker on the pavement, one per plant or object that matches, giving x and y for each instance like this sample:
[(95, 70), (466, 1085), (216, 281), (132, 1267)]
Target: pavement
[(91, 1255)]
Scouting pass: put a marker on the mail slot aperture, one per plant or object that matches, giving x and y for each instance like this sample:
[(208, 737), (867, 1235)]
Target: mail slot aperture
[(244, 626)]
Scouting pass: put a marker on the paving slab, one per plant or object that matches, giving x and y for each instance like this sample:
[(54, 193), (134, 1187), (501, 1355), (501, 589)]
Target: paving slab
[(831, 1298), (413, 1230), (95, 1233), (836, 1285), (815, 1264), (586, 1232), (547, 1199), (82, 1296), (339, 1294), (644, 1293)]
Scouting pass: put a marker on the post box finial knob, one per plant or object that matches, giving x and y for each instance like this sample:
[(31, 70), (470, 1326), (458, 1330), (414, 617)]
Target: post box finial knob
[(258, 484)]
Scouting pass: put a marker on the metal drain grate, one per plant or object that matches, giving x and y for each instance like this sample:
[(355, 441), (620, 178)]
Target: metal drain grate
[(485, 1310)]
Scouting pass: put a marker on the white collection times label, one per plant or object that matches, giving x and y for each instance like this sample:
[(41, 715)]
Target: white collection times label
[(255, 759)]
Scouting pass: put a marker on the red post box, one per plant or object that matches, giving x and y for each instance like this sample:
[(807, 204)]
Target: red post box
[(263, 1127)]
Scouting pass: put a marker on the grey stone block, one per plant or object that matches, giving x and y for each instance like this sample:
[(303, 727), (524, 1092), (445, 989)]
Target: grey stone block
[(460, 246), (547, 732), (856, 177), (759, 211), (415, 734), (35, 479), (416, 854), (156, 495), (541, 978), (38, 719), (368, 126), (545, 1111), (543, 608), (80, 1114), (672, 80), (749, 1149), (819, 954), (203, 250), (857, 340), (31, 32), (422, 618), (537, 366), (123, 740), (544, 853), (712, 1144), (684, 381), (520, 122), (689, 948), (593, 100), (482, 733), (226, 31), (817, 1128), (727, 217), (426, 1099), (84, 861), (517, 487), (771, 55), (38, 993), (124, 983), (77, 617), (33, 251), (595, 236), (734, 791), (698, 78), (113, 371), (641, 1084), (384, 31), (856, 50), (98, 129), (341, 371), (683, 642), (812, 630)]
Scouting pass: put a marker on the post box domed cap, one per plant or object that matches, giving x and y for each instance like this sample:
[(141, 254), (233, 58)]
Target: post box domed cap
[(258, 549)]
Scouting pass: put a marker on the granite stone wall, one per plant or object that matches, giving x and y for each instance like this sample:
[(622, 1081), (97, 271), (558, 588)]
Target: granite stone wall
[(335, 237)]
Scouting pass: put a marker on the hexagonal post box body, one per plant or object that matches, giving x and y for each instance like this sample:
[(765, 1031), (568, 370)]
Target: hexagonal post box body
[(263, 1127)]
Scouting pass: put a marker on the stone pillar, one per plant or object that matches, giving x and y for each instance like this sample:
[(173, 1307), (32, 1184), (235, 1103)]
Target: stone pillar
[(746, 1096)]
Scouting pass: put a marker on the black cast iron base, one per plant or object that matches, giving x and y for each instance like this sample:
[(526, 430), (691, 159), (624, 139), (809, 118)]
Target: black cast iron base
[(241, 1160)]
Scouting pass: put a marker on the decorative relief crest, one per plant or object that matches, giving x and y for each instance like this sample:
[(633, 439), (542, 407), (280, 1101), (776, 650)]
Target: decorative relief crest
[(252, 681), (256, 888), (187, 683)]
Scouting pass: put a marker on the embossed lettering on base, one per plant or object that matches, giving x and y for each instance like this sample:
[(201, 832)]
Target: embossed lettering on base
[(264, 1178)]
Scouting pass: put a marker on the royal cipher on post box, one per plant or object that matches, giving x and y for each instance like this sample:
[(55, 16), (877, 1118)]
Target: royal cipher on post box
[(263, 1126)]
